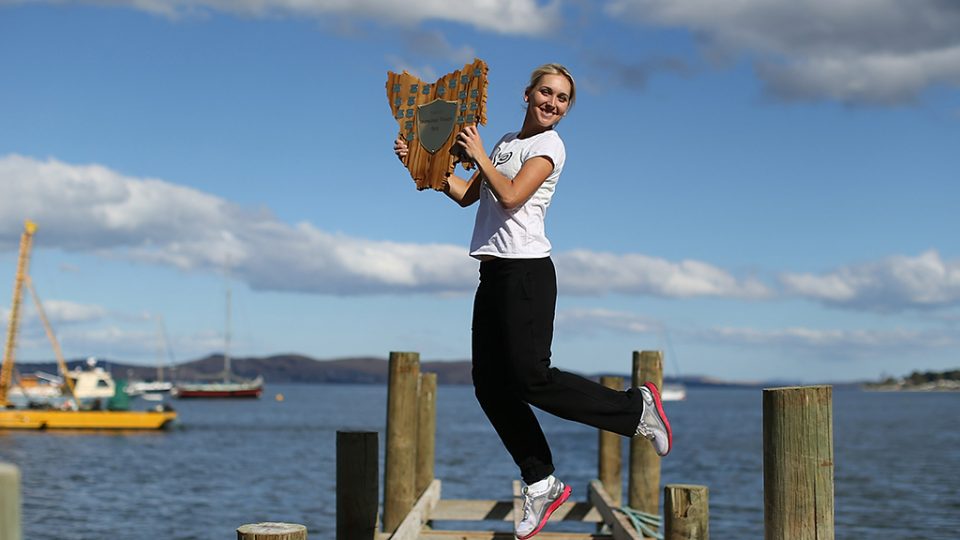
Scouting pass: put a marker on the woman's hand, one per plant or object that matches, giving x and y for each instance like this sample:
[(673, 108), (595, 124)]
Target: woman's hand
[(400, 148), (470, 142)]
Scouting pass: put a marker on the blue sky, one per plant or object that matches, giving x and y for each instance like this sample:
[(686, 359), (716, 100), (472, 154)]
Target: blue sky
[(763, 190)]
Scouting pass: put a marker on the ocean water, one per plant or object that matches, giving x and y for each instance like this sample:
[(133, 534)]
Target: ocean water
[(227, 463)]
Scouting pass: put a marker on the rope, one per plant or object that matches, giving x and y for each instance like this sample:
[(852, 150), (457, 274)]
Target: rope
[(643, 521)]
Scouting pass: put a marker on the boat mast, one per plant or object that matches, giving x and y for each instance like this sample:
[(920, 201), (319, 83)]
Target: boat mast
[(226, 341), (23, 264)]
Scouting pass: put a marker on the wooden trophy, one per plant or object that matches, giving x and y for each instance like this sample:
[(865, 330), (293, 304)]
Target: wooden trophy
[(431, 114)]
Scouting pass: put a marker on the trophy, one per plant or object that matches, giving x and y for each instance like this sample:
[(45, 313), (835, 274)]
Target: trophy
[(431, 114)]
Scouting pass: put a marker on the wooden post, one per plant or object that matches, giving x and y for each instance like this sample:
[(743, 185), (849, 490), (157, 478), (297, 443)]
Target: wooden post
[(426, 431), (272, 531), (610, 465), (686, 512), (358, 484), (644, 482), (401, 454), (9, 502), (798, 463)]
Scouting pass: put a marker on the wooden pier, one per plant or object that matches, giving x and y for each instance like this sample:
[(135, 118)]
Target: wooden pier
[(798, 473), (797, 476)]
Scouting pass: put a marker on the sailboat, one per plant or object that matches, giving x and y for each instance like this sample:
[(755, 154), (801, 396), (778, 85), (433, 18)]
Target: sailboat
[(231, 386), (154, 390), (70, 415)]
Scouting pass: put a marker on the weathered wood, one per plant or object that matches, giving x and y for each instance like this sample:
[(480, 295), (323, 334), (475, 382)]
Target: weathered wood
[(686, 512), (644, 482), (517, 503), (272, 531), (487, 510), (464, 91), (503, 535), (798, 463), (412, 524), (400, 462), (9, 502), (609, 464), (358, 485), (426, 430), (620, 526)]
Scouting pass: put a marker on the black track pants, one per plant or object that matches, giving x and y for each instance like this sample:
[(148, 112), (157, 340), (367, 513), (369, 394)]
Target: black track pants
[(512, 330)]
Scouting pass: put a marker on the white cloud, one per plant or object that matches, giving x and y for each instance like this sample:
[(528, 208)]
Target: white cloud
[(94, 209), (839, 341), (586, 272), (500, 16), (66, 312), (893, 284), (587, 321), (857, 51)]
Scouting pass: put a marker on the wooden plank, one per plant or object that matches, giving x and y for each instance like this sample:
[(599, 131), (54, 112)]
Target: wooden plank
[(609, 456), (426, 430), (9, 502), (501, 535), (487, 510), (400, 462), (798, 463), (643, 484), (409, 528), (686, 512), (358, 484), (272, 531), (619, 524)]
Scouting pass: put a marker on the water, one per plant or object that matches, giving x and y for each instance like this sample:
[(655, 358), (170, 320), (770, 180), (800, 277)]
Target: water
[(235, 462)]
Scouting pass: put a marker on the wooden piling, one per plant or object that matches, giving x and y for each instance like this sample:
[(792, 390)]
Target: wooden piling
[(426, 431), (644, 481), (686, 512), (798, 463), (358, 485), (9, 502), (609, 464), (272, 531), (401, 459)]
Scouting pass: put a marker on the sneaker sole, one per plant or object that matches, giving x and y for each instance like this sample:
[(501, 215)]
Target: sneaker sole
[(546, 516), (663, 416)]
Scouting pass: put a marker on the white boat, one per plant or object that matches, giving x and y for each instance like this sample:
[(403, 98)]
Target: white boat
[(93, 382), (139, 388), (673, 392), (89, 384)]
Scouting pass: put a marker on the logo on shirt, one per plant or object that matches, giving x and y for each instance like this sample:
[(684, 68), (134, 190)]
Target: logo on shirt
[(502, 158)]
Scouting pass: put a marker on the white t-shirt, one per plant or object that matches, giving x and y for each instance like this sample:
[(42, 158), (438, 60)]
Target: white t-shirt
[(517, 233)]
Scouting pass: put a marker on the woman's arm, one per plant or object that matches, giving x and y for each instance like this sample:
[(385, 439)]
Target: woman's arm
[(510, 193), (463, 192)]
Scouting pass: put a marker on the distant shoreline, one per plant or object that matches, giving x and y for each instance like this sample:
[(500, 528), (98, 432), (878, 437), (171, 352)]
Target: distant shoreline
[(294, 368), (937, 386)]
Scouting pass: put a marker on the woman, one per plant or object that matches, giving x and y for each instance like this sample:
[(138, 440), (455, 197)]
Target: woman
[(515, 302)]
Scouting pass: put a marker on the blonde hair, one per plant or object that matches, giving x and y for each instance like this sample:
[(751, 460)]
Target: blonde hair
[(553, 69)]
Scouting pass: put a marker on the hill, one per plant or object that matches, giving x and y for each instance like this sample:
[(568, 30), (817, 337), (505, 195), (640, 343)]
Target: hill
[(296, 368)]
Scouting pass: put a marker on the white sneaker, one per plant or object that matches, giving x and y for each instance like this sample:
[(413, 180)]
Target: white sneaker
[(537, 507), (653, 422)]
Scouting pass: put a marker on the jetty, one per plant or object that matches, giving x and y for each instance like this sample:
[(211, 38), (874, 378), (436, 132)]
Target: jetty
[(798, 472)]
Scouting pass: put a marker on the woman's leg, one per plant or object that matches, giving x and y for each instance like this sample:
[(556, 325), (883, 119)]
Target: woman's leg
[(528, 311), (511, 417)]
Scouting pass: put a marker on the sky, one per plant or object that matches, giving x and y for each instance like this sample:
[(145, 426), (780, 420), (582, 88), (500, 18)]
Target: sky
[(763, 190)]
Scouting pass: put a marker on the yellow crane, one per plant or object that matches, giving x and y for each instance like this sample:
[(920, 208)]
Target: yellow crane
[(61, 363), (11, 418), (23, 264)]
